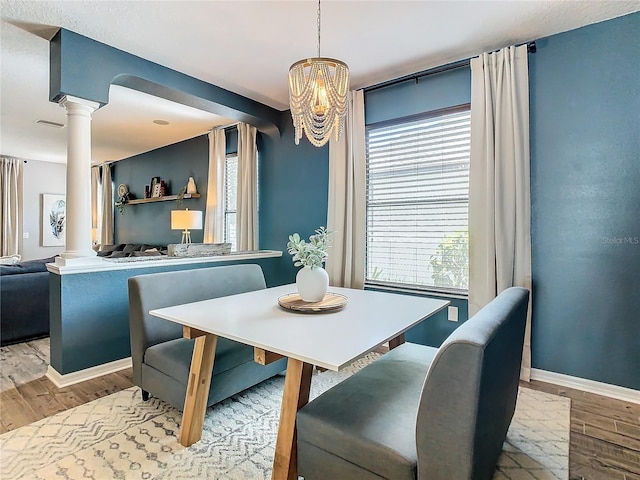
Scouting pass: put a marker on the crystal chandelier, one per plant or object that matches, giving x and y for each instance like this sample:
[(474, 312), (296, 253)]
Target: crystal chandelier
[(318, 96)]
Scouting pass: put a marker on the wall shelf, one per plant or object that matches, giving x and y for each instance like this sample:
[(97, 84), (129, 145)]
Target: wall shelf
[(166, 198)]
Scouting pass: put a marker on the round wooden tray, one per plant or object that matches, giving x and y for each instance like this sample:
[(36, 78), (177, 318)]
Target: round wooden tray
[(330, 302)]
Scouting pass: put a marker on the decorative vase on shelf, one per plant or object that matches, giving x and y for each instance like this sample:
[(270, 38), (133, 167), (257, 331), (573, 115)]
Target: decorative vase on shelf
[(312, 283), (191, 186)]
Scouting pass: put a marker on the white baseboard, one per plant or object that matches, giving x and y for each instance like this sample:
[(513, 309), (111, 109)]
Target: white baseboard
[(591, 386), (61, 381)]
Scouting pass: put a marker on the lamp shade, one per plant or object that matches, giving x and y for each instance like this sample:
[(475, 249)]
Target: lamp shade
[(186, 220)]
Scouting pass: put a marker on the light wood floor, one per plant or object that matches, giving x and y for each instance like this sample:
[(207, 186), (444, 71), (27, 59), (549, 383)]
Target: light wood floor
[(605, 432), (26, 395)]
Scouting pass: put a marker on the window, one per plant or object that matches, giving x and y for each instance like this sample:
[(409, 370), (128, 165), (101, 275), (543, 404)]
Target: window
[(230, 199), (417, 201)]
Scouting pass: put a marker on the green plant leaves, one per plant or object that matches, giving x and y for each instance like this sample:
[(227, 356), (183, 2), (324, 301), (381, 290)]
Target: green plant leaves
[(312, 254)]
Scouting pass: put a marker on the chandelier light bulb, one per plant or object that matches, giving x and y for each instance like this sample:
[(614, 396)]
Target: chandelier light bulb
[(320, 102)]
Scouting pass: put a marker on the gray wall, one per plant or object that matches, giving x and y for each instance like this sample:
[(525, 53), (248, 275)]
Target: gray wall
[(39, 178)]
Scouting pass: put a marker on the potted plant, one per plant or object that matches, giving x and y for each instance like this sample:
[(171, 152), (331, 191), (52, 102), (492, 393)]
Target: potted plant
[(312, 280)]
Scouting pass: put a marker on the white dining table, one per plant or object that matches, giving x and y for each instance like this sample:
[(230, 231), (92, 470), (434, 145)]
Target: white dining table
[(330, 340)]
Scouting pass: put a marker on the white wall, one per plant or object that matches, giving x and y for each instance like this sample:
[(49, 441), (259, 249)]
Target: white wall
[(39, 178)]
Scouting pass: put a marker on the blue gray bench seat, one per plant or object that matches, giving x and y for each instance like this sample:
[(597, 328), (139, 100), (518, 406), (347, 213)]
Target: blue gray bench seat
[(162, 358)]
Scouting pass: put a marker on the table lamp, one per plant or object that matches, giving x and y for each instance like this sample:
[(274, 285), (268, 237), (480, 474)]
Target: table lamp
[(186, 220)]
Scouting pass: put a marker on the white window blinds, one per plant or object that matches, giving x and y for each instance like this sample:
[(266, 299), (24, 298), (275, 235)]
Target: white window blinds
[(230, 199), (417, 201)]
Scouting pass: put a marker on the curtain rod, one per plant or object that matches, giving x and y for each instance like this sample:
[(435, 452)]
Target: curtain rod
[(531, 48), (24, 160), (225, 127)]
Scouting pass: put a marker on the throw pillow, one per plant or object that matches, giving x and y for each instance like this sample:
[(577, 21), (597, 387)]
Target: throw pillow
[(10, 259), (152, 252)]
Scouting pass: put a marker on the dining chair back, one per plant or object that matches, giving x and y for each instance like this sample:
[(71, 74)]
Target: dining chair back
[(419, 412)]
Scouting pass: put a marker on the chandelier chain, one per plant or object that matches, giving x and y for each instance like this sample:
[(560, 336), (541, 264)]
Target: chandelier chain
[(318, 28)]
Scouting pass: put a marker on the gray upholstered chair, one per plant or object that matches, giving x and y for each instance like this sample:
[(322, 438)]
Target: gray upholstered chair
[(162, 358), (420, 412)]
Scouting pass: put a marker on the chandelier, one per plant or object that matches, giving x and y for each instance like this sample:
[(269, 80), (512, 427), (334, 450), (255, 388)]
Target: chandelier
[(318, 96)]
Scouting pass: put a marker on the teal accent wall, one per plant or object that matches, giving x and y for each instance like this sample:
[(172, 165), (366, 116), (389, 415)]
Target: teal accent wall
[(231, 135), (585, 167), (150, 223), (585, 170), (585, 174), (433, 92), (437, 328), (293, 191), (55, 320), (85, 68), (90, 312)]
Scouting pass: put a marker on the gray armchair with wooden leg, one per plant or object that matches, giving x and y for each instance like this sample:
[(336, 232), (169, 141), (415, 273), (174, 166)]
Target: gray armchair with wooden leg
[(421, 413), (162, 357)]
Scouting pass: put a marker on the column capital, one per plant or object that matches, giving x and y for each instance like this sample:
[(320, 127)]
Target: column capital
[(69, 101)]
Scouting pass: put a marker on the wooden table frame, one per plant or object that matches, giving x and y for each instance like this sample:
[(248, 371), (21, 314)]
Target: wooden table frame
[(297, 386), (295, 395)]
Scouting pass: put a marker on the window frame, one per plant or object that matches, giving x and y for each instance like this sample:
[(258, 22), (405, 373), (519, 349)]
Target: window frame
[(403, 287)]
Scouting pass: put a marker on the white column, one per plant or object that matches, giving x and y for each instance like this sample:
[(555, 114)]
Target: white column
[(78, 214)]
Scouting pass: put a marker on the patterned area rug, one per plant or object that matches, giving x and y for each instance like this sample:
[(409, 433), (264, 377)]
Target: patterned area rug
[(122, 437)]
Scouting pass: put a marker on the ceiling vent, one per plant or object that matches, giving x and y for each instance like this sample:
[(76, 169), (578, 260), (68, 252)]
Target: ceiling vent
[(50, 124)]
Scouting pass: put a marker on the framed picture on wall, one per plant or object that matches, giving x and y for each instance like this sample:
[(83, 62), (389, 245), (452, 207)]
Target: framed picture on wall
[(54, 227)]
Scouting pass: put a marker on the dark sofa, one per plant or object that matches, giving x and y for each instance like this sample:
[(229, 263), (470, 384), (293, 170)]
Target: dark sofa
[(24, 301)]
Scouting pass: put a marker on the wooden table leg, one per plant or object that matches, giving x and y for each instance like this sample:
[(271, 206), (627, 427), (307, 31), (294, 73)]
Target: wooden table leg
[(396, 342), (195, 402), (297, 384)]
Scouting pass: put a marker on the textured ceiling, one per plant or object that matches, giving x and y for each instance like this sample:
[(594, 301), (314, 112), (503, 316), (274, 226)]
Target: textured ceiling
[(247, 47)]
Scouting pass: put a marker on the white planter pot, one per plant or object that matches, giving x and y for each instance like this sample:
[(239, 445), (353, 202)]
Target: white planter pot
[(312, 283)]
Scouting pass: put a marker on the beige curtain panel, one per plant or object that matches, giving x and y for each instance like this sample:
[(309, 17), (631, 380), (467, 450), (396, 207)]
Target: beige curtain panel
[(499, 181), (10, 205), (346, 214), (106, 234), (214, 212), (247, 216)]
